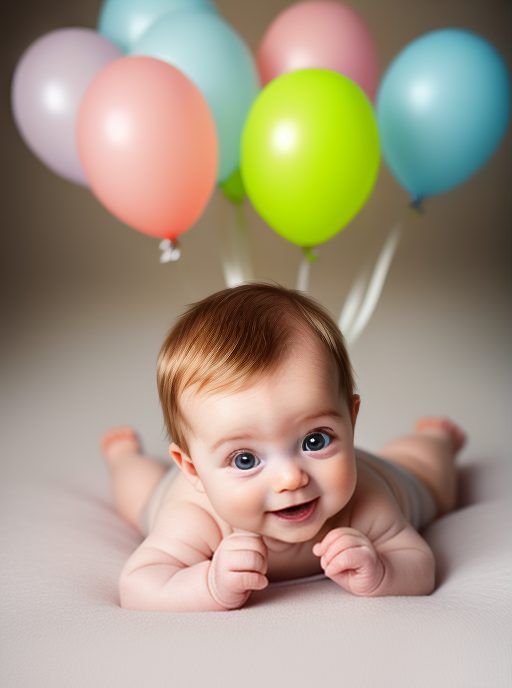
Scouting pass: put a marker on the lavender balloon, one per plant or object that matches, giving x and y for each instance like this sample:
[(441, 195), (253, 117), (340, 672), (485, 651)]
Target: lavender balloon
[(48, 84)]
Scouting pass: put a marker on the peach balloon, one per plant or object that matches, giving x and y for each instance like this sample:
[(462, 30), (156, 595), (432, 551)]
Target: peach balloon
[(148, 145), (326, 35)]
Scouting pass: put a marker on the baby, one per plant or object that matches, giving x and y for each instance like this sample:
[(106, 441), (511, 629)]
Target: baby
[(257, 393)]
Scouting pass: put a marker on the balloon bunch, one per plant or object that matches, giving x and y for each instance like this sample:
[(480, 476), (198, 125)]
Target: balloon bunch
[(165, 101), (147, 111)]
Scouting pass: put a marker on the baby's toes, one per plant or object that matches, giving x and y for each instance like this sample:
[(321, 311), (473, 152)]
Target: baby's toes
[(459, 437), (119, 442), (446, 426)]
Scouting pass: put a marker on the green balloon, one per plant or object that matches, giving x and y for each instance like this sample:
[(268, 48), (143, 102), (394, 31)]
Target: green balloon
[(310, 154)]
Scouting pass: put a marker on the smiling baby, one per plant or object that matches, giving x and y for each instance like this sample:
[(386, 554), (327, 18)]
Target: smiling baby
[(266, 484)]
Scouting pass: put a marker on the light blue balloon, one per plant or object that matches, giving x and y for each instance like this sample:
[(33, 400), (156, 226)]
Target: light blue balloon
[(124, 21), (214, 57), (442, 107)]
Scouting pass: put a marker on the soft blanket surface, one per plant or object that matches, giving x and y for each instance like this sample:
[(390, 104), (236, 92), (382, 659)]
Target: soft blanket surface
[(63, 548)]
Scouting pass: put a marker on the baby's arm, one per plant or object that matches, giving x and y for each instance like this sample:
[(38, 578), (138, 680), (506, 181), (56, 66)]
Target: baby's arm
[(380, 554), (409, 564), (169, 570), (172, 571)]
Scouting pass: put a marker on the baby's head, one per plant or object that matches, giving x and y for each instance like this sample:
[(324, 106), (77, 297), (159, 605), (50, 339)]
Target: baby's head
[(257, 393)]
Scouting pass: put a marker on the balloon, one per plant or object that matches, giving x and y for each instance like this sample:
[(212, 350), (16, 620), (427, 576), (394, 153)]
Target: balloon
[(215, 58), (48, 84), (124, 21), (442, 108), (147, 142), (233, 188), (310, 154), (326, 35)]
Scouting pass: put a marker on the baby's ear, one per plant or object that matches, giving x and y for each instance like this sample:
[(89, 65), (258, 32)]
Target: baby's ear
[(186, 466), (176, 454), (356, 402), (179, 457)]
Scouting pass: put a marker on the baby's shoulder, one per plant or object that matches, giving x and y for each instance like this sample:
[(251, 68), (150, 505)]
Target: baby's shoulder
[(377, 505), (185, 514)]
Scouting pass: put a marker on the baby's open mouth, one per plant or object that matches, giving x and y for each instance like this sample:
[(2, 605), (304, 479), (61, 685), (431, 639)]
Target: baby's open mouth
[(298, 512)]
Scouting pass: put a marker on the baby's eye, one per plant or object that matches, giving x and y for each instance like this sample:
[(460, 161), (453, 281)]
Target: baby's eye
[(244, 460), (316, 440)]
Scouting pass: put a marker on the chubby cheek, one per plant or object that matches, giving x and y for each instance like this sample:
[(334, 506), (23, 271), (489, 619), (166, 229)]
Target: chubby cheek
[(339, 480), (237, 503)]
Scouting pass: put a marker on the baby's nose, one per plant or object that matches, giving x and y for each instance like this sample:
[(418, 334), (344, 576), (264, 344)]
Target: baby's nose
[(290, 476)]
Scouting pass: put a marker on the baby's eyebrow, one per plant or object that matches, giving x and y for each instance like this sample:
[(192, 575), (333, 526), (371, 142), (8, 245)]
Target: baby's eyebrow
[(302, 419)]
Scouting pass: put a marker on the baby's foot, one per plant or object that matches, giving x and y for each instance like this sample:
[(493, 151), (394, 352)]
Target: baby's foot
[(120, 442), (442, 427)]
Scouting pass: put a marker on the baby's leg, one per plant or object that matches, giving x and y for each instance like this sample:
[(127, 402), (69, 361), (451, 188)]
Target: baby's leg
[(429, 454), (134, 476)]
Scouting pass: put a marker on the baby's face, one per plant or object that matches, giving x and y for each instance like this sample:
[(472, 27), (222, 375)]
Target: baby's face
[(285, 440)]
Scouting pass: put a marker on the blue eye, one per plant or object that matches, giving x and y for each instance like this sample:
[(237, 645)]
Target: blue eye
[(244, 461), (316, 441)]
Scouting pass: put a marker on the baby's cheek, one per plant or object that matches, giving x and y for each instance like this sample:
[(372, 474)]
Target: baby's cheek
[(245, 500), (342, 477), (236, 501)]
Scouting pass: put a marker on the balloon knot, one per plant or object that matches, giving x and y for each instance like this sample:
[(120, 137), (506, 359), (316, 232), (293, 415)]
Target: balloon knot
[(170, 250), (417, 205), (309, 252)]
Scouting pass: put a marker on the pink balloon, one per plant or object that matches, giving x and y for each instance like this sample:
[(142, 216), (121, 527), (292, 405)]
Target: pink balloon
[(326, 35), (148, 144)]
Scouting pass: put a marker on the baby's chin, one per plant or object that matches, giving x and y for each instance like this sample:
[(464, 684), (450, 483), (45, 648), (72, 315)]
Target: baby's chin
[(281, 544), (276, 545)]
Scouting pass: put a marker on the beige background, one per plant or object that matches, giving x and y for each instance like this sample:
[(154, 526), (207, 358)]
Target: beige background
[(86, 302)]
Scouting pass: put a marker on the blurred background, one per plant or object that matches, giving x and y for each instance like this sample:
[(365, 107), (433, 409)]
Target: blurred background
[(86, 302)]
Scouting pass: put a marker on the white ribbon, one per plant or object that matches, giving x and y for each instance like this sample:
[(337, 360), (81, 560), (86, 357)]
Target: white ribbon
[(302, 283), (355, 315), (236, 249)]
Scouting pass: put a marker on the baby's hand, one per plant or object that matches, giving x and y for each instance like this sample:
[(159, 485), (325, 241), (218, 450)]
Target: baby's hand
[(237, 568), (349, 558)]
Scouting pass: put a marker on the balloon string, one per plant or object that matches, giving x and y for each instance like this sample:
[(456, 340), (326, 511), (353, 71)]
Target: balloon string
[(375, 286), (353, 302), (235, 247), (358, 310), (232, 276), (309, 255)]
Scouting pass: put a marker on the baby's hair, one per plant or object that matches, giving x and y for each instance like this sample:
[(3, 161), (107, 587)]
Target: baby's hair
[(233, 337)]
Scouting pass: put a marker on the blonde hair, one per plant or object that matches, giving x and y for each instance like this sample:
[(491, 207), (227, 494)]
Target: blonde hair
[(235, 335)]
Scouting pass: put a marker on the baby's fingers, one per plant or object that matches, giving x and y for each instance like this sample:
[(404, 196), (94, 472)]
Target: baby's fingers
[(347, 542), (350, 536), (237, 542), (248, 560), (351, 558), (241, 581), (320, 547), (357, 570)]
